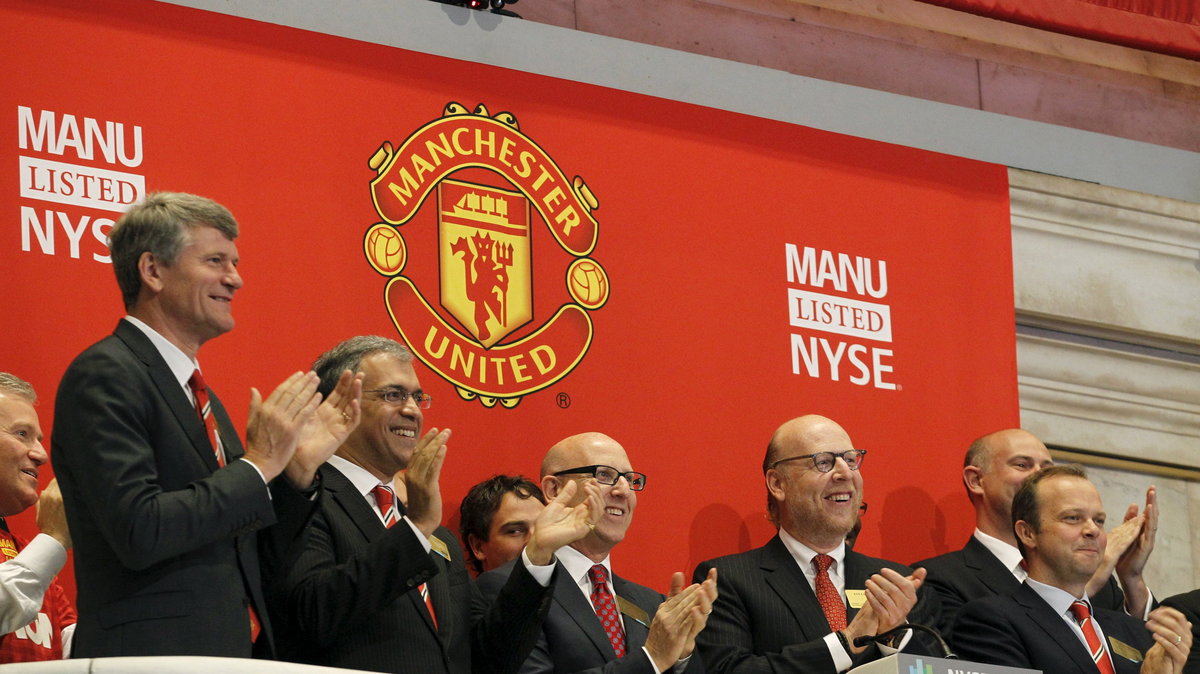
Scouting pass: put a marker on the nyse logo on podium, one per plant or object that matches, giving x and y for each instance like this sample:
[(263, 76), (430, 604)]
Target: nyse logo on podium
[(496, 192)]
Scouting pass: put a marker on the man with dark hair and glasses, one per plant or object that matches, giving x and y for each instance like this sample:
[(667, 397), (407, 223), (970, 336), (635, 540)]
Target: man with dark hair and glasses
[(380, 584), (599, 621), (798, 603)]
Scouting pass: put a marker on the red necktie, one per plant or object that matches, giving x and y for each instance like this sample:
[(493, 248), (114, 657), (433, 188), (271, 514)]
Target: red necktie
[(828, 596), (606, 609), (204, 409), (1083, 615), (386, 498)]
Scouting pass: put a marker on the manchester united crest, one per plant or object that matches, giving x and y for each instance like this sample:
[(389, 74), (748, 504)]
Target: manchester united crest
[(465, 202)]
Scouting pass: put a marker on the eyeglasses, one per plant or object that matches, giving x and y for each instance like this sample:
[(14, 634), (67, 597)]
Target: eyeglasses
[(608, 475), (398, 396), (824, 461)]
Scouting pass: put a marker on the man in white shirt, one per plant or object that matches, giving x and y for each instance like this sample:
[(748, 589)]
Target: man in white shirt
[(990, 564), (36, 619), (800, 602), (1050, 623)]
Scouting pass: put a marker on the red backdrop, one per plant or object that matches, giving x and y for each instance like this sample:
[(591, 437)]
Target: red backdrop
[(691, 359)]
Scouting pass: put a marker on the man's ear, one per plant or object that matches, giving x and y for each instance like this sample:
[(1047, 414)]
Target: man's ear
[(150, 271), (775, 485), (549, 487), (476, 546), (973, 479), (1025, 534)]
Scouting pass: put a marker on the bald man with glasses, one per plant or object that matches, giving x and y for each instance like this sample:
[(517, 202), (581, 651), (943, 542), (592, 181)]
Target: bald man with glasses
[(798, 603), (598, 621)]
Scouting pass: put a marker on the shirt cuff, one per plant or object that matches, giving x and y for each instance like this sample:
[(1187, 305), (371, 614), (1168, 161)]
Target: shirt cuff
[(841, 659), (420, 536), (542, 574), (44, 555)]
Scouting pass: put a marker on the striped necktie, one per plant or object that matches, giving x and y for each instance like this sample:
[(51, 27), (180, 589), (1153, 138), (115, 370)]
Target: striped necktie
[(204, 409), (1100, 656), (386, 499)]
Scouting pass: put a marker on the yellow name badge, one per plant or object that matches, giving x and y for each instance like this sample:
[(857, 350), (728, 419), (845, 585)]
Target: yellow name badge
[(1124, 650), (439, 546), (856, 598)]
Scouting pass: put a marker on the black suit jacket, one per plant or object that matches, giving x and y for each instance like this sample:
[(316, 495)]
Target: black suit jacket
[(1021, 630), (350, 598), (166, 556), (571, 638), (974, 573), (767, 618), (1189, 604)]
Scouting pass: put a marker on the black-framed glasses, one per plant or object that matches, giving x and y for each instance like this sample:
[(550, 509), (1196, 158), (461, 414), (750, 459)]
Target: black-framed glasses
[(398, 396), (608, 475), (824, 461)]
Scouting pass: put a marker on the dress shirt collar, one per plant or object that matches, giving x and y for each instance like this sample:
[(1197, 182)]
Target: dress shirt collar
[(1059, 599), (578, 564), (360, 477), (1008, 554), (804, 557), (181, 366)]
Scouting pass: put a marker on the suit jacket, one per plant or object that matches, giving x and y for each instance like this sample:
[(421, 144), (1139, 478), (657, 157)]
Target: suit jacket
[(974, 573), (1021, 630), (768, 619), (571, 638), (351, 598), (166, 557), (1189, 604)]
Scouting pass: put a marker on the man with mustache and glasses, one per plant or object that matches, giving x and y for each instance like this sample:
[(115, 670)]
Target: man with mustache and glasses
[(1050, 623), (798, 603), (598, 621)]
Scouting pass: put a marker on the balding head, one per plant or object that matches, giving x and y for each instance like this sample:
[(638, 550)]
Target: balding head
[(795, 438), (993, 469), (590, 449)]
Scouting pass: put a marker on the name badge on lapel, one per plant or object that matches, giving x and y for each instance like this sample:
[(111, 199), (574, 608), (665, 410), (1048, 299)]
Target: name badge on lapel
[(1124, 650), (856, 598), (439, 546), (632, 610)]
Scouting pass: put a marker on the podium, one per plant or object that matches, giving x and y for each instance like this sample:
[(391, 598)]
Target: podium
[(903, 663)]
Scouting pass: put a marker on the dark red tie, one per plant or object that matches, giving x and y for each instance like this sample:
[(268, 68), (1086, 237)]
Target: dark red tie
[(1100, 656), (386, 498), (606, 609), (204, 409), (828, 596)]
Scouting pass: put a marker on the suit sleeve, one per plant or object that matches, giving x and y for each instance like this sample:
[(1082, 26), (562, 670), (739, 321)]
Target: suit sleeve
[(113, 434), (504, 631), (324, 599), (984, 634), (727, 642)]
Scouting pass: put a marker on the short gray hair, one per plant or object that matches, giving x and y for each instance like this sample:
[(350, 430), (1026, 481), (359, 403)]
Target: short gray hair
[(161, 224), (349, 354), (11, 383)]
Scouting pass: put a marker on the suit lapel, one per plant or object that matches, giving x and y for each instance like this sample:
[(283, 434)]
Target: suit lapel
[(170, 390), (988, 568), (784, 576), (569, 598), (1055, 627), (635, 631), (439, 596)]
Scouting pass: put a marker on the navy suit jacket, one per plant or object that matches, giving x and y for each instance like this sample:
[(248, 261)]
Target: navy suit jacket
[(1021, 630), (572, 639), (974, 573), (166, 552), (767, 618), (350, 598)]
